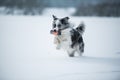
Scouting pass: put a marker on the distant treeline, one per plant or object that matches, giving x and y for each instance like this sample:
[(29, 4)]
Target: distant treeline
[(22, 3), (27, 6), (87, 8), (102, 9)]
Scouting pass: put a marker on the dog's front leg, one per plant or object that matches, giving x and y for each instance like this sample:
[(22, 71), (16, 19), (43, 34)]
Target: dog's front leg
[(57, 42)]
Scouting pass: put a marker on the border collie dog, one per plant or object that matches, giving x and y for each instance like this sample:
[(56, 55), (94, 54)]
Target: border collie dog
[(67, 37)]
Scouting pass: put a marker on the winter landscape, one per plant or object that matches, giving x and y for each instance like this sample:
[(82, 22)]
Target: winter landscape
[(27, 51)]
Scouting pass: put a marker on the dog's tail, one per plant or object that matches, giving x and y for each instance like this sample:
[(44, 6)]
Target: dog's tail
[(81, 28)]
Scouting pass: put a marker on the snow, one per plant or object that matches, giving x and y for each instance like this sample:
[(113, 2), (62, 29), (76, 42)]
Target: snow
[(27, 51)]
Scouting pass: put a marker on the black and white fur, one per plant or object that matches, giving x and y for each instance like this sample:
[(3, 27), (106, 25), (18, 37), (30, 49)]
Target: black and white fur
[(68, 38)]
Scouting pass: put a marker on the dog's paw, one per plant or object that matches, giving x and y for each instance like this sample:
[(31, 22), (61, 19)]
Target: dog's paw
[(71, 55), (58, 47)]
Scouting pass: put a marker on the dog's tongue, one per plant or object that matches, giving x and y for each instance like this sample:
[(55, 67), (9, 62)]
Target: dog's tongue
[(55, 33)]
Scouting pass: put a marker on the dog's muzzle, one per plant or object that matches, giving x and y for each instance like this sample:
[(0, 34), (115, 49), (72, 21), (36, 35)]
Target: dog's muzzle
[(52, 31)]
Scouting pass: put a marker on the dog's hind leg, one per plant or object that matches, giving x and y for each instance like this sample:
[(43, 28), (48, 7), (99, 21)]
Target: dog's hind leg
[(80, 49)]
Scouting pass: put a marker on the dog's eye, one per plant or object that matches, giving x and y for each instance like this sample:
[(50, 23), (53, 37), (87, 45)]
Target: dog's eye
[(62, 21), (54, 25), (59, 25)]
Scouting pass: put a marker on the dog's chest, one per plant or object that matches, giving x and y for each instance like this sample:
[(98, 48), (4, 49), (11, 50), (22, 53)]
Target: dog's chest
[(65, 39)]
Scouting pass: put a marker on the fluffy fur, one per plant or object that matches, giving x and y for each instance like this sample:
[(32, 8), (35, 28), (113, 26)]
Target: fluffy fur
[(68, 38)]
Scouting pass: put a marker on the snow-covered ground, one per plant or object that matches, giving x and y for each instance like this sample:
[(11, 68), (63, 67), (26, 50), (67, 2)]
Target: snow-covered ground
[(27, 51)]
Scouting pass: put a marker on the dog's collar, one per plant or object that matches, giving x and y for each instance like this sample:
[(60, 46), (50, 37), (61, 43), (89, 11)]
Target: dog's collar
[(59, 31), (64, 28)]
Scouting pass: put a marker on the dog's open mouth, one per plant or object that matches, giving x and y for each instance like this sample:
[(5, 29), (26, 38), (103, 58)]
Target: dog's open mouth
[(55, 32)]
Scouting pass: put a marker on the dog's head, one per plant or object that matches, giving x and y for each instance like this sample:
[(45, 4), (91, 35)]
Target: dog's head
[(59, 24)]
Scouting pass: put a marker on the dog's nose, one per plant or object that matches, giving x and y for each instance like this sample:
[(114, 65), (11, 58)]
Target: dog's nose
[(51, 31), (55, 30)]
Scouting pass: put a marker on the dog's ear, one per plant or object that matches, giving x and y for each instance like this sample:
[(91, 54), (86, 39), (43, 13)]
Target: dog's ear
[(67, 18), (64, 20), (54, 17)]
